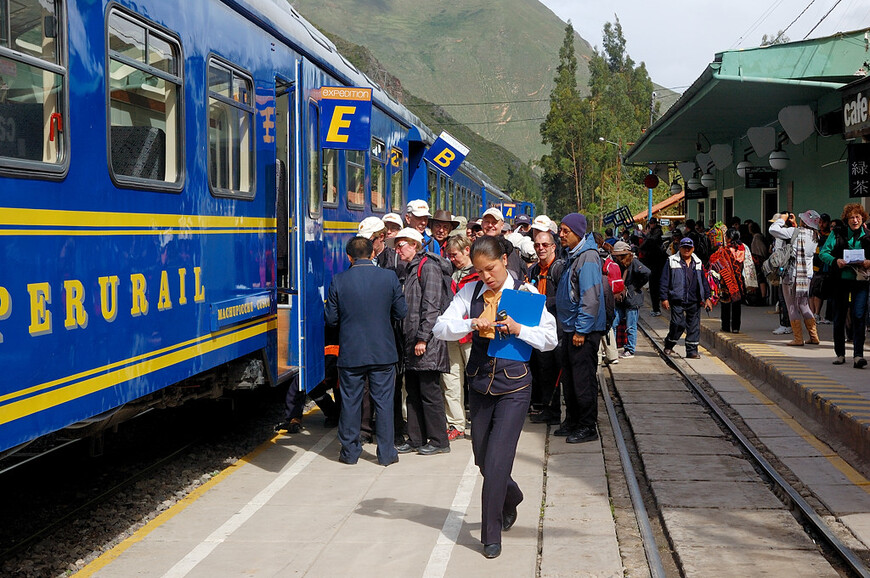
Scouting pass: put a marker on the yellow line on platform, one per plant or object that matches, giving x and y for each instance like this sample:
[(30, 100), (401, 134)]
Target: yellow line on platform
[(829, 454), (110, 556)]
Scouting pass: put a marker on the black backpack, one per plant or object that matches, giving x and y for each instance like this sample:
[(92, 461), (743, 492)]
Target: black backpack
[(448, 285)]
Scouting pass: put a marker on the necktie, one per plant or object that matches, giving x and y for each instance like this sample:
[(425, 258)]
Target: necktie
[(490, 310)]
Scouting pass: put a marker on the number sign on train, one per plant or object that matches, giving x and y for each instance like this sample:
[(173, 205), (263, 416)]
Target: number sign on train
[(346, 114), (446, 153)]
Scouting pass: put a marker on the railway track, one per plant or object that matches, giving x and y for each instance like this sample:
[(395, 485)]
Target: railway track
[(838, 554)]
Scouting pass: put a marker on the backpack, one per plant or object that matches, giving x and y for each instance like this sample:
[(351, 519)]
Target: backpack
[(609, 300), (448, 285), (776, 266)]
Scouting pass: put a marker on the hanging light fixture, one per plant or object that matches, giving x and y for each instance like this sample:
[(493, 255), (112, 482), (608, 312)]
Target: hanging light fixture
[(694, 183), (708, 181), (676, 187), (778, 159), (741, 168)]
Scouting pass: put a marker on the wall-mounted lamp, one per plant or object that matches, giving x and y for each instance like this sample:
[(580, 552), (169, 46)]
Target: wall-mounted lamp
[(708, 181), (741, 168), (778, 159), (676, 187)]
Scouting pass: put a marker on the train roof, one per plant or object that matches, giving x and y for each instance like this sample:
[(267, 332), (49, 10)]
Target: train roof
[(286, 23)]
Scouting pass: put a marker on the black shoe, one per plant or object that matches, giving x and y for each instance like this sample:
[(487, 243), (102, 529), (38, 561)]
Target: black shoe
[(291, 426), (668, 351), (429, 450), (735, 331), (586, 434), (345, 460), (566, 430), (491, 550), (405, 448), (508, 519), (859, 363), (395, 461), (693, 355), (546, 417)]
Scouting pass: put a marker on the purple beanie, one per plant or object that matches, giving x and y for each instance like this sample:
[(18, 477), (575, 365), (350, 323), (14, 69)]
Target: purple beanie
[(576, 222)]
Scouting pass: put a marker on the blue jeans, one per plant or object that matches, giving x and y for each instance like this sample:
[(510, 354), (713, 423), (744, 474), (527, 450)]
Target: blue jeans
[(850, 295), (630, 318)]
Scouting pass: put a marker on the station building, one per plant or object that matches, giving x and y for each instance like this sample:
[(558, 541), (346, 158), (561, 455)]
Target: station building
[(784, 126)]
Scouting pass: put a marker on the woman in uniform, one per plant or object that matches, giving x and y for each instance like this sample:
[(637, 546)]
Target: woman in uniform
[(499, 390)]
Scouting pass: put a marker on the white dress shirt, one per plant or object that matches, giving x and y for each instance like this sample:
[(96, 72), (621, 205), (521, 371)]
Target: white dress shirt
[(455, 323)]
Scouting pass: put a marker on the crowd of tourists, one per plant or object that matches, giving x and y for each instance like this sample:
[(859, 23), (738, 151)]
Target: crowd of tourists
[(415, 324)]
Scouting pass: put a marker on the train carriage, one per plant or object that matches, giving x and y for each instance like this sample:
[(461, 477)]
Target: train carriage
[(169, 220)]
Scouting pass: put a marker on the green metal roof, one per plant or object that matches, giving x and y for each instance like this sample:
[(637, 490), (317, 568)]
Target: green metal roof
[(747, 88)]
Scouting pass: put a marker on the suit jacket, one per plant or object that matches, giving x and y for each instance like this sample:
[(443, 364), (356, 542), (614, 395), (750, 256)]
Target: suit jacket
[(362, 302)]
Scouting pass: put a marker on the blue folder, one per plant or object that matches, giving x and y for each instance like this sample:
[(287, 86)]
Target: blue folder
[(525, 308)]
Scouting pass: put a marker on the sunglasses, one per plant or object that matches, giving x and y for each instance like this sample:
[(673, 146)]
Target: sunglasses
[(542, 245)]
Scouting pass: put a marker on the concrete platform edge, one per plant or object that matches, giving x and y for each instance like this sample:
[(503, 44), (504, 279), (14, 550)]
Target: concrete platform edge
[(842, 425)]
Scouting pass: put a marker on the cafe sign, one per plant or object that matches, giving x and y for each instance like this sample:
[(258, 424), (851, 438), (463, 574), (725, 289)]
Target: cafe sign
[(856, 112)]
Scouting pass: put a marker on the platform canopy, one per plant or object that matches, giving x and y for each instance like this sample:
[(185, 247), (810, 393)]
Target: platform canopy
[(743, 89)]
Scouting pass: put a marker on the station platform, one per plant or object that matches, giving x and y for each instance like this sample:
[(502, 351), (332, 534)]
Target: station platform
[(835, 396), (291, 508)]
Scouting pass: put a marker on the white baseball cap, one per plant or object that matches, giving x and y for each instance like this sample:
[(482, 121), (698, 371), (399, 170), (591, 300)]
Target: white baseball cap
[(494, 213), (370, 226), (408, 233), (393, 218), (419, 208), (544, 223)]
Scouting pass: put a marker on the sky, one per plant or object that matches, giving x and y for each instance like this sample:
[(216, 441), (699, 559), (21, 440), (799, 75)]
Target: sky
[(678, 38)]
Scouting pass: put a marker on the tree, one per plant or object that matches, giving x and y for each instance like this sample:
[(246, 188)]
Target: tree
[(562, 130), (778, 38), (523, 184), (617, 110)]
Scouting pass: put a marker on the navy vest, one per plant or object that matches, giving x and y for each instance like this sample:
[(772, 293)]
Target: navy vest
[(489, 375)]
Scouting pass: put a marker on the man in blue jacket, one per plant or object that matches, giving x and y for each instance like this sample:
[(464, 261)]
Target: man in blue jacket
[(362, 303), (582, 319), (684, 290)]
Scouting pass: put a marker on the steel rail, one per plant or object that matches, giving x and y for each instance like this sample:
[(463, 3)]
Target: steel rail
[(823, 531), (650, 548)]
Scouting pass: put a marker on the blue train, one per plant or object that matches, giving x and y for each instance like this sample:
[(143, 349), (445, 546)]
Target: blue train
[(169, 220)]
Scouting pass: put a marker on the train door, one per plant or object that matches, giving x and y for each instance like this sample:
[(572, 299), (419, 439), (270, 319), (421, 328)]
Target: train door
[(288, 231)]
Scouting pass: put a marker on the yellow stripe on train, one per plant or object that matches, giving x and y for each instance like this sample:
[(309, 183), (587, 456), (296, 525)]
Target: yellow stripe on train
[(50, 399)]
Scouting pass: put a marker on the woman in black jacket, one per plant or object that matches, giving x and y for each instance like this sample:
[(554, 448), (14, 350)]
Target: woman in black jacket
[(425, 357)]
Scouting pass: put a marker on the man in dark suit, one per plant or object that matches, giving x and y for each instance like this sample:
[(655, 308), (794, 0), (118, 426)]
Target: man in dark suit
[(362, 302)]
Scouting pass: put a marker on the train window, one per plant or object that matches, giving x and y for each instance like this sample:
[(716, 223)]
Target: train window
[(433, 189), (314, 162), (144, 103), (330, 177), (379, 176), (442, 199), (397, 180), (355, 178), (230, 130), (451, 199), (32, 86)]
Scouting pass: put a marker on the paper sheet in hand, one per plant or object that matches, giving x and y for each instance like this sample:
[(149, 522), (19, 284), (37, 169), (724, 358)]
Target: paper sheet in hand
[(525, 308), (853, 255)]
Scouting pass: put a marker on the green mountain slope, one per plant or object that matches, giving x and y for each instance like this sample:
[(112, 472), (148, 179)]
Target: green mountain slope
[(502, 54), (494, 160)]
